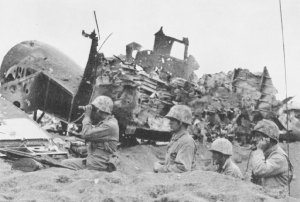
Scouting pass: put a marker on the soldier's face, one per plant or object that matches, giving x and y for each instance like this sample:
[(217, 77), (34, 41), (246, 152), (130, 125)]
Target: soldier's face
[(262, 141), (98, 116), (174, 125), (217, 158)]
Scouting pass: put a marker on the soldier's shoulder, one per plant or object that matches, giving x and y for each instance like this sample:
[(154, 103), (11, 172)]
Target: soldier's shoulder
[(188, 139)]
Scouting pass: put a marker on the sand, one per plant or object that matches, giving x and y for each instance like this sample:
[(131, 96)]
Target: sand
[(134, 181)]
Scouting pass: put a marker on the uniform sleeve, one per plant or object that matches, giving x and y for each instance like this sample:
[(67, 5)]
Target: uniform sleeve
[(183, 161), (91, 133), (234, 172), (267, 168)]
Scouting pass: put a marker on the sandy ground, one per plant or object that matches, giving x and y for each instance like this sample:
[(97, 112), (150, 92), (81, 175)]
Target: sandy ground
[(134, 181)]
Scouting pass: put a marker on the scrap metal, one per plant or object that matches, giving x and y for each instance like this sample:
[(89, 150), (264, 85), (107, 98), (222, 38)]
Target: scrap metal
[(21, 133)]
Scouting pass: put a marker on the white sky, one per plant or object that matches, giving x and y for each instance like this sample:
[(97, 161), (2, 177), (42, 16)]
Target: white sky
[(223, 34)]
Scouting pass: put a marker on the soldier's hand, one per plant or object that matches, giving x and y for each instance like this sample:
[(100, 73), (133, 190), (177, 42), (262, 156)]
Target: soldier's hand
[(88, 110)]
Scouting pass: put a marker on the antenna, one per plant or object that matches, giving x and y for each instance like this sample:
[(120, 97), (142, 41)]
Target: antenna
[(286, 104), (97, 24)]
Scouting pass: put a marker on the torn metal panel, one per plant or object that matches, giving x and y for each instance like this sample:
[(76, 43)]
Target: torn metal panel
[(35, 76), (27, 92), (17, 130), (39, 91), (42, 57)]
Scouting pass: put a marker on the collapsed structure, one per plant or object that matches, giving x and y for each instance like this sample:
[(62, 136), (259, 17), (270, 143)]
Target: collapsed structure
[(35, 76)]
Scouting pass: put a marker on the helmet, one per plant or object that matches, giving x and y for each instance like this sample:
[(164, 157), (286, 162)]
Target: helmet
[(182, 113), (222, 145), (103, 103), (269, 128)]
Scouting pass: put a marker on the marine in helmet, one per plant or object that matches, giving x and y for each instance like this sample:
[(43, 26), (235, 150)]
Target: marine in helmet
[(221, 150), (101, 132), (181, 150), (271, 166)]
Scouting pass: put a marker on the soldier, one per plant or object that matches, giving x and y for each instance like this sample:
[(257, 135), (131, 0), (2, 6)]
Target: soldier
[(101, 132), (221, 150), (182, 148), (271, 166)]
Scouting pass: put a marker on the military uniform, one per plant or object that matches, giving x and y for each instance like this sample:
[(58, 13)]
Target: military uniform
[(224, 147), (180, 154), (101, 139), (272, 167), (231, 169), (182, 148)]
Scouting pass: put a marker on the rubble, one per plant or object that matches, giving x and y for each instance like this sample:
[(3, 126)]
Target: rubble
[(144, 88)]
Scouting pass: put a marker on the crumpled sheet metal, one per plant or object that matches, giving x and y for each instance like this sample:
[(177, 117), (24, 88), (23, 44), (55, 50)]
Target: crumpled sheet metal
[(17, 128)]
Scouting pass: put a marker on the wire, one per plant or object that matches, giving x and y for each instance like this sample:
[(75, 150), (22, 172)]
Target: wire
[(105, 41), (286, 104), (78, 118)]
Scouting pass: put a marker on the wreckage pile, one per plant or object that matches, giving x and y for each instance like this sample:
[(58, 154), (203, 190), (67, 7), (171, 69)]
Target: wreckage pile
[(146, 97), (146, 86)]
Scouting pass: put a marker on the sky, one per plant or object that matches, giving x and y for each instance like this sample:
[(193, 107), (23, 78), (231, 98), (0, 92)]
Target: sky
[(223, 34)]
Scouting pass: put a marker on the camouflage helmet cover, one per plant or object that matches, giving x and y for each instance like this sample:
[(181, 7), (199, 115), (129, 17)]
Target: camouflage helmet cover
[(103, 103), (181, 113), (267, 127), (222, 145)]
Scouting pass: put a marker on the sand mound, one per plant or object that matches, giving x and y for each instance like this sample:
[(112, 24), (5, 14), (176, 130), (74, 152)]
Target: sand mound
[(64, 185), (134, 181)]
